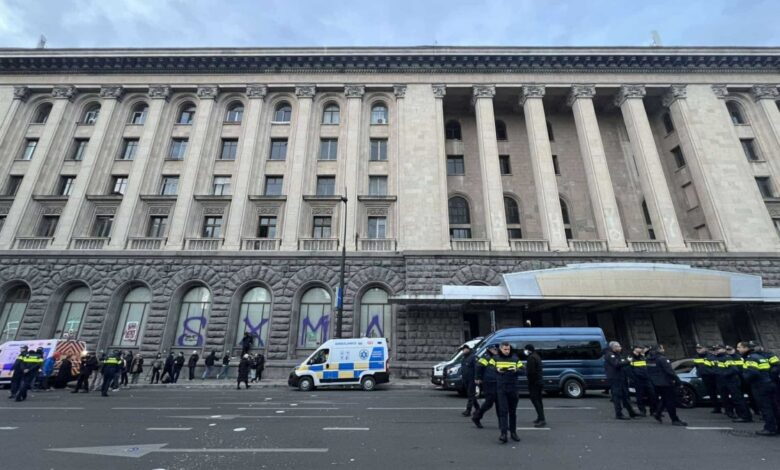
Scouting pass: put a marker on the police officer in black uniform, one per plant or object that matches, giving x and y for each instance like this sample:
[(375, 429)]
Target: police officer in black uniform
[(729, 387), (646, 398), (467, 371), (17, 373), (705, 370), (665, 381), (616, 367), (31, 364), (756, 373), (111, 367), (486, 377), (508, 367)]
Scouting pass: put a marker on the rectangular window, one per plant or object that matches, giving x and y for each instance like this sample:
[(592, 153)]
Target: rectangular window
[(278, 149), (765, 186), (14, 181), (66, 185), (326, 185), (178, 149), (79, 148), (377, 185), (229, 149), (556, 165), (679, 159), (321, 228), (775, 221), (221, 186), (129, 149), (119, 184), (378, 150), (47, 226), (29, 149), (212, 227), (691, 198), (702, 232), (455, 165), (328, 149), (749, 146), (460, 233), (503, 162), (377, 227), (158, 224), (102, 227), (169, 186), (514, 233), (273, 185), (2, 222), (266, 227)]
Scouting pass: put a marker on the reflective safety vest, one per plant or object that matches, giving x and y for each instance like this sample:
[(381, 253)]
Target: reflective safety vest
[(639, 364), (32, 360), (756, 369), (112, 361)]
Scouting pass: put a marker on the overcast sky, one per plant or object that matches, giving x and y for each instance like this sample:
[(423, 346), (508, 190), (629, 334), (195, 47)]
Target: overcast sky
[(191, 23)]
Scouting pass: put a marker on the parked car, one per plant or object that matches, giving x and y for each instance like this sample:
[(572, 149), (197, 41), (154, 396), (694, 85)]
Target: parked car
[(692, 391), (437, 374)]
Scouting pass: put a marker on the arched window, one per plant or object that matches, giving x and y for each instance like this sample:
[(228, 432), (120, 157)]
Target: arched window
[(379, 114), (314, 322), (550, 132), (452, 131), (255, 315), (283, 112), (331, 114), (138, 114), (193, 318), (648, 221), (91, 114), (132, 317), (460, 219), (375, 316), (13, 312), (501, 131), (735, 111), (42, 114), (566, 220), (514, 230), (186, 114), (235, 112), (668, 125), (72, 313)]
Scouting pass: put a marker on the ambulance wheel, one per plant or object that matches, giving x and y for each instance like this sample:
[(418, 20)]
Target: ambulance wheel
[(306, 384), (368, 383)]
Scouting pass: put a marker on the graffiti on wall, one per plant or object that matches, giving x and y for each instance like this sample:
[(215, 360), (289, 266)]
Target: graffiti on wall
[(313, 334), (256, 330), (191, 331)]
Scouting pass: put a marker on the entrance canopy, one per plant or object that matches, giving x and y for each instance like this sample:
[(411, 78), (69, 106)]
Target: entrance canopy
[(611, 281)]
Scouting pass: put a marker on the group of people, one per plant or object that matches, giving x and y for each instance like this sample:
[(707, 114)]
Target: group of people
[(495, 374)]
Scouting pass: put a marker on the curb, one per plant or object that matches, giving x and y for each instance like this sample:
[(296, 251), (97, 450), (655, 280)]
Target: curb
[(230, 384)]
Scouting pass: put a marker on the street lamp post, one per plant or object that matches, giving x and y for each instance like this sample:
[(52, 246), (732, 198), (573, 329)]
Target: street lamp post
[(340, 295)]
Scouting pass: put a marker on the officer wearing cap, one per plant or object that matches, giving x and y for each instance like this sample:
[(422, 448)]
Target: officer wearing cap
[(486, 377), (729, 386), (17, 374), (646, 397), (31, 363), (111, 366), (467, 366), (756, 373), (705, 370), (508, 367)]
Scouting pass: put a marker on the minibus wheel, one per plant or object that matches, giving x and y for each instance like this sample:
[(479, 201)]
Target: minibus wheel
[(306, 384), (368, 383), (573, 388)]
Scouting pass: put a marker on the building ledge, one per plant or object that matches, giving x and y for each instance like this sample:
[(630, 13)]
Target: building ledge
[(314, 197), (260, 197), (212, 197), (104, 197), (378, 198), (49, 198), (159, 197)]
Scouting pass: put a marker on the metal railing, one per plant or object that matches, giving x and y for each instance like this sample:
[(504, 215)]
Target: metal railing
[(648, 246), (588, 245), (203, 244), (145, 243), (260, 244), (706, 246), (469, 244), (88, 243), (32, 243), (318, 244), (377, 244), (523, 244)]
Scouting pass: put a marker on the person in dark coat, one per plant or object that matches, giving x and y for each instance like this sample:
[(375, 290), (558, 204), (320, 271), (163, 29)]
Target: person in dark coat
[(210, 360), (168, 369), (467, 365), (535, 373), (156, 367), (508, 367), (665, 382), (646, 397), (192, 363), (64, 373), (757, 373), (259, 367), (243, 371), (246, 343), (88, 364), (730, 386), (17, 373), (225, 366), (706, 370), (616, 367), (136, 368), (111, 367), (486, 377), (178, 364), (31, 364)]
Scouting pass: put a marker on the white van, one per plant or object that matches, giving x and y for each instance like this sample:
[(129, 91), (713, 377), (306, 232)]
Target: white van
[(344, 362), (9, 350)]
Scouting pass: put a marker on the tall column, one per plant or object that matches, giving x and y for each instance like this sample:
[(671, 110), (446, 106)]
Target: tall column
[(193, 162), (547, 196), (651, 173), (439, 91), (21, 93), (109, 95), (766, 97), (602, 194), (123, 219), (490, 170), (296, 161), (19, 208), (354, 94), (8, 144), (243, 169), (395, 165)]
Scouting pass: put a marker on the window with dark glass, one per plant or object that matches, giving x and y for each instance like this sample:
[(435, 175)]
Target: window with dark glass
[(379, 114), (668, 125), (321, 227), (235, 113), (273, 185), (377, 227), (283, 113), (138, 114), (129, 148), (765, 186), (501, 131), (212, 227), (550, 132), (12, 313), (378, 150), (119, 184), (79, 149), (221, 186), (187, 114), (229, 149), (679, 159), (505, 166), (749, 147), (29, 149), (455, 165), (328, 149), (266, 227), (735, 112), (460, 233), (331, 114), (556, 165), (47, 226), (158, 225), (512, 212), (459, 211), (42, 114), (102, 226), (278, 149), (12, 186), (169, 186), (326, 185), (91, 114), (566, 220), (65, 187), (178, 149), (377, 185), (648, 221), (452, 131)]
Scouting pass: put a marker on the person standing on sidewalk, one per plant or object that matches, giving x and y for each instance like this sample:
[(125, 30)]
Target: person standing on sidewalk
[(97, 379), (136, 368), (706, 371), (167, 374), (156, 366), (509, 367), (259, 366), (111, 367), (178, 364), (535, 373), (616, 367), (246, 343), (486, 377), (243, 372), (467, 366), (87, 366), (225, 366), (192, 363), (210, 360)]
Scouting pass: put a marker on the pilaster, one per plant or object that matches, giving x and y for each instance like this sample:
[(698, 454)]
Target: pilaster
[(354, 94)]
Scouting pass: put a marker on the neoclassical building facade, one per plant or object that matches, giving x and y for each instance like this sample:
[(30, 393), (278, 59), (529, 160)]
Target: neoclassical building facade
[(178, 198)]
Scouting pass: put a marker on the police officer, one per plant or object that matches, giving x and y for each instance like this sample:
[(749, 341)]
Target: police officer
[(508, 367), (111, 367), (535, 372), (664, 380), (616, 367), (729, 387), (774, 372), (705, 370), (756, 373), (31, 363), (467, 366), (17, 372), (486, 377), (646, 398)]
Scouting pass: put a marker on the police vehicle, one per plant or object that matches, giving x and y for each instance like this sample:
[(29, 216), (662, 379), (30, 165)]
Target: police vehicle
[(437, 374), (360, 362)]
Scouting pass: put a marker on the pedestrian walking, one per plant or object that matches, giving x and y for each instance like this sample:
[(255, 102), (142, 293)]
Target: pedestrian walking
[(508, 367), (486, 377), (535, 372), (97, 379), (246, 343), (756, 371), (136, 368), (467, 365), (111, 367), (706, 370), (87, 366), (157, 365), (646, 397), (209, 361), (259, 366), (192, 363), (178, 364), (17, 371), (243, 371), (665, 381), (729, 388), (167, 373), (616, 367), (225, 366)]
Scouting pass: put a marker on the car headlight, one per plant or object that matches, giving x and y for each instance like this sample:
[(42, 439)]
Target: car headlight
[(453, 370)]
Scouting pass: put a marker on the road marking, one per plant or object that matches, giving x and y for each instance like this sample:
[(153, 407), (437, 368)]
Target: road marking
[(288, 409), (415, 408), (704, 428), (345, 429), (168, 429), (160, 408), (8, 428), (239, 429), (136, 451), (228, 417), (560, 408), (41, 408), (532, 429)]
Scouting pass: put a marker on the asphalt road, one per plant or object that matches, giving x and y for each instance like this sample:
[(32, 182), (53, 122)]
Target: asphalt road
[(385, 429)]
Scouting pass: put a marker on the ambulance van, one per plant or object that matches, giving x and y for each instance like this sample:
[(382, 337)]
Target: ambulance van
[(344, 362), (9, 350)]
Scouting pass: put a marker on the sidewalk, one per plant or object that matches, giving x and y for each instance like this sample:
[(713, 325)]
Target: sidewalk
[(198, 384)]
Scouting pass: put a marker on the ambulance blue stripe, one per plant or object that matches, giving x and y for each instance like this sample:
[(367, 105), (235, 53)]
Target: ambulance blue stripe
[(346, 366), (376, 365), (316, 367), (357, 374), (330, 375)]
